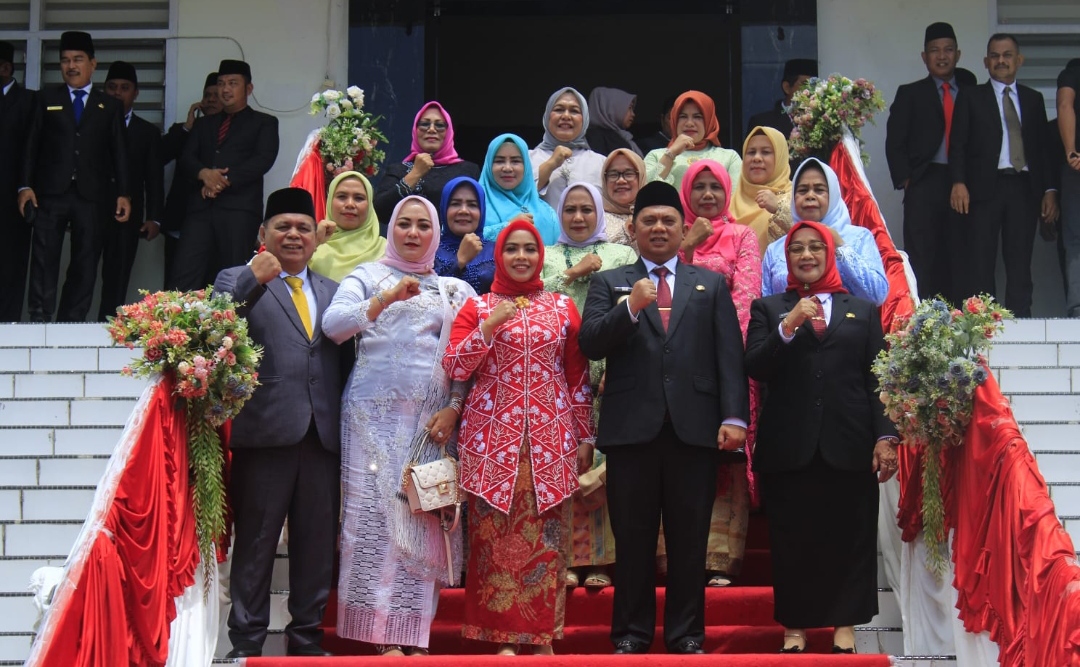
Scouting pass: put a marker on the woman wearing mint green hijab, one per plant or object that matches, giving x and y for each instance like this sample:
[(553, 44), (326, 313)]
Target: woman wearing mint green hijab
[(356, 240), (507, 179)]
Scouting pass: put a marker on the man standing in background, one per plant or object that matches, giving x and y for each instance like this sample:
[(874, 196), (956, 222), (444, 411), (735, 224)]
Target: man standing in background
[(1068, 120), (75, 142), (16, 105), (796, 72), (146, 180)]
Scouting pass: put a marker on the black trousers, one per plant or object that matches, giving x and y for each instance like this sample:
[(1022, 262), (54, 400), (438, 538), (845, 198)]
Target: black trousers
[(14, 261), (266, 485), (55, 214), (213, 239), (668, 479), (932, 238), (119, 244), (1011, 213)]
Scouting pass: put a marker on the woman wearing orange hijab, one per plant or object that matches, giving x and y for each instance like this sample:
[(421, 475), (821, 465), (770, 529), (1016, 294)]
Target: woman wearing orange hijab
[(697, 137)]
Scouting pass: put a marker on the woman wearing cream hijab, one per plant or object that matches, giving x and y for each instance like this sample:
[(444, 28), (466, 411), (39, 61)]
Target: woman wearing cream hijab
[(763, 195), (355, 238)]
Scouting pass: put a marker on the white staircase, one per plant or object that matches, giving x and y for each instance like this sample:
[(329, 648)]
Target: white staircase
[(63, 404)]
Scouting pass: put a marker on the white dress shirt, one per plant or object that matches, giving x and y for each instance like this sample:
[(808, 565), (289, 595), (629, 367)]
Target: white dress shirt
[(86, 89), (7, 88), (826, 305)]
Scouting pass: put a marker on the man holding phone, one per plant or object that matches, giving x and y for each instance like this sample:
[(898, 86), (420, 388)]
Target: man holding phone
[(1068, 108), (146, 179)]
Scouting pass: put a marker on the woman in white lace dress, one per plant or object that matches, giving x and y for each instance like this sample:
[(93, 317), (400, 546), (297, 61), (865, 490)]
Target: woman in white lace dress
[(394, 563)]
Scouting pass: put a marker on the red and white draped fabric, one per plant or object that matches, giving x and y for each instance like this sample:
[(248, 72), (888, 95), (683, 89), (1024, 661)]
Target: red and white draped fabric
[(131, 592), (1013, 592), (310, 174)]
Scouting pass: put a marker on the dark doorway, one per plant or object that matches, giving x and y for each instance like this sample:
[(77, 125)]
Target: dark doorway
[(494, 64)]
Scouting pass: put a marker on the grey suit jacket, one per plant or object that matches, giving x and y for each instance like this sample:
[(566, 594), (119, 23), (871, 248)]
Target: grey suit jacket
[(299, 378)]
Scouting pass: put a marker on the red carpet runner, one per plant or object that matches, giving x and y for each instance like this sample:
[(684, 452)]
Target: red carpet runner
[(740, 631)]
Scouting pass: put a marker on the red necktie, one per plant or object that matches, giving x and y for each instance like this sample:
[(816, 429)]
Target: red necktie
[(663, 295), (818, 320), (223, 131), (947, 105)]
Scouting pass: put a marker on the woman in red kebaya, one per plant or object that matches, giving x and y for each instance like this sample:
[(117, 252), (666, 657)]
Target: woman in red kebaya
[(526, 433)]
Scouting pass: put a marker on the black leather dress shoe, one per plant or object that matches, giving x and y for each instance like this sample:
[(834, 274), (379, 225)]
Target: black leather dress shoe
[(630, 646), (307, 651), (244, 649), (687, 647)]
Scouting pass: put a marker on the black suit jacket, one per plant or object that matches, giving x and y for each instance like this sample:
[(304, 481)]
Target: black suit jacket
[(92, 151), (15, 110), (299, 379), (180, 189), (249, 151), (916, 127), (146, 175), (821, 393), (776, 118), (694, 371), (975, 142)]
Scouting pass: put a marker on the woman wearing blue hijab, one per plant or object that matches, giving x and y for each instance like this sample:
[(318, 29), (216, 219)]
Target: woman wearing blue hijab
[(462, 253), (507, 180)]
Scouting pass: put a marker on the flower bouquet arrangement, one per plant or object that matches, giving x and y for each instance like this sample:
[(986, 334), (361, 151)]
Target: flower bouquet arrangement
[(197, 338), (348, 141), (821, 108), (927, 378)]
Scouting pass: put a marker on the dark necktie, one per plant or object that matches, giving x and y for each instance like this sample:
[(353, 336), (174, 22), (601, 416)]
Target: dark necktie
[(663, 295), (1016, 138), (78, 105), (223, 131), (818, 320), (947, 106)]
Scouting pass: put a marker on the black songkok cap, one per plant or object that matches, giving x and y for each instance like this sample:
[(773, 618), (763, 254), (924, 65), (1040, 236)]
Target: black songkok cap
[(122, 70), (939, 31), (1072, 64), (74, 40), (235, 67), (797, 67), (7, 52), (290, 200), (657, 193), (211, 80)]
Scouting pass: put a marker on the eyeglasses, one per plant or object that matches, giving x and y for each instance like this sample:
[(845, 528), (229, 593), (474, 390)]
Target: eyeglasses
[(796, 249), (613, 176), (425, 125)]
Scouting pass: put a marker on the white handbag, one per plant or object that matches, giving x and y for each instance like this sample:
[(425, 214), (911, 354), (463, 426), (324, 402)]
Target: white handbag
[(433, 487)]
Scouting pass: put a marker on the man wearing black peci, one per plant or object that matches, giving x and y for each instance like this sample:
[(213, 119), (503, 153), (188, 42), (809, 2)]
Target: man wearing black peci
[(146, 180), (1000, 167), (675, 393), (16, 106), (916, 146), (75, 142), (227, 154)]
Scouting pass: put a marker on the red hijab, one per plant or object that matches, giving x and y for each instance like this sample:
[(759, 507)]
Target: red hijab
[(708, 110), (503, 283), (830, 280), (722, 241)]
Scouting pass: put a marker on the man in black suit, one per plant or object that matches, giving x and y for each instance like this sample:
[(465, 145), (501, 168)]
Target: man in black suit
[(675, 393), (286, 443), (227, 154), (796, 72), (999, 164), (146, 180), (16, 107), (663, 137), (916, 146), (172, 145), (74, 144), (1068, 121)]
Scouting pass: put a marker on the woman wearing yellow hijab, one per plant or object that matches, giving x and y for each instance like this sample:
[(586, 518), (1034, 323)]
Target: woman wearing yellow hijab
[(762, 197), (356, 239)]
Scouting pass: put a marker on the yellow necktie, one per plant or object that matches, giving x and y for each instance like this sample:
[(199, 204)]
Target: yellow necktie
[(296, 284)]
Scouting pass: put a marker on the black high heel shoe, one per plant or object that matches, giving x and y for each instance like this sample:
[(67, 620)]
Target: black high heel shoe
[(849, 651)]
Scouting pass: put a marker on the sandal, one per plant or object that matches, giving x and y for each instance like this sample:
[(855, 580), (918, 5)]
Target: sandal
[(571, 579), (545, 649), (597, 580), (507, 649), (392, 650), (718, 580), (416, 650)]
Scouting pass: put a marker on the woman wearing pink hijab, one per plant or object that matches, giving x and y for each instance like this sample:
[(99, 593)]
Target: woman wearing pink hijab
[(715, 241), (432, 162)]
